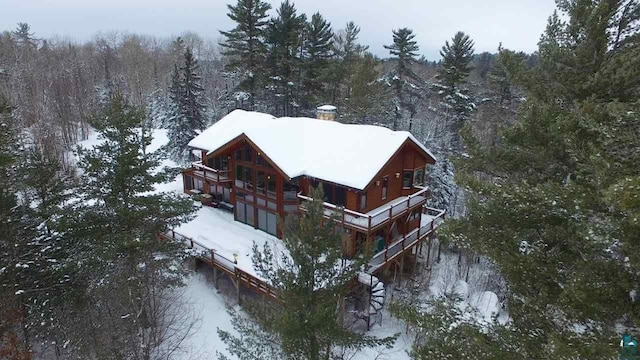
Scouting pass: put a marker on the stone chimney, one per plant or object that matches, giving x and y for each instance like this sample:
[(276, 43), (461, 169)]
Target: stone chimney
[(326, 112)]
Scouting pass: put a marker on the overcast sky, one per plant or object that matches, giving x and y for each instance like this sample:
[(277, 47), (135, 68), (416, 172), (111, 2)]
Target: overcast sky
[(516, 23)]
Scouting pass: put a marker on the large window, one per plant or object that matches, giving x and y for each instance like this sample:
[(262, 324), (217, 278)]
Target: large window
[(219, 163), (188, 182), (260, 161), (407, 179), (244, 213), (244, 153), (267, 221), (385, 187), (244, 177)]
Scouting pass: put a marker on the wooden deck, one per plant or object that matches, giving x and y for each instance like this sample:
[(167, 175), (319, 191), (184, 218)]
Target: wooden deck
[(376, 218), (396, 248), (378, 262), (220, 263)]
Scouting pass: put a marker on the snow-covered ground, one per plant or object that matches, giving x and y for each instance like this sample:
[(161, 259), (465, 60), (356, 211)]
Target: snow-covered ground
[(208, 305)]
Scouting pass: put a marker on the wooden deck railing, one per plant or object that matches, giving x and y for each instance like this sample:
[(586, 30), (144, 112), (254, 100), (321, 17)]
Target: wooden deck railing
[(396, 248), (211, 174), (369, 221), (213, 258)]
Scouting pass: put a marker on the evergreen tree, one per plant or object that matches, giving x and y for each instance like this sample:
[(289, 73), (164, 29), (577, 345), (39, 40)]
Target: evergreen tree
[(24, 36), (438, 321), (17, 231), (312, 281), (188, 110), (553, 205), (403, 79), (245, 44), (128, 271), (370, 98), (177, 50), (346, 51), (318, 44), (485, 61), (284, 43), (452, 75), (498, 78)]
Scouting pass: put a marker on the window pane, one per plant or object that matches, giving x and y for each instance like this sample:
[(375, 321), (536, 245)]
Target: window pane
[(271, 186), (240, 214), (261, 185), (188, 182), (407, 179), (262, 220), (238, 154), (328, 192), (239, 176), (250, 215), (272, 223), (247, 153), (248, 178), (363, 201), (385, 183), (341, 196)]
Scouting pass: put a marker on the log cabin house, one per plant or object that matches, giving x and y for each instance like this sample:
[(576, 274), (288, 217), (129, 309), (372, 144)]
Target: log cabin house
[(261, 167)]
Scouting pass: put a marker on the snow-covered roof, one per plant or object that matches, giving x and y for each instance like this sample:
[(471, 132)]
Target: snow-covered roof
[(345, 154)]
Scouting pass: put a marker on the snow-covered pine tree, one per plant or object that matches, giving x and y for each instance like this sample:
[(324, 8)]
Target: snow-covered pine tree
[(24, 36), (436, 322), (457, 106), (452, 75), (347, 51), (129, 273), (187, 110), (500, 76), (17, 232), (284, 42), (404, 81), (370, 98), (245, 44), (318, 43), (311, 283), (48, 281), (159, 111)]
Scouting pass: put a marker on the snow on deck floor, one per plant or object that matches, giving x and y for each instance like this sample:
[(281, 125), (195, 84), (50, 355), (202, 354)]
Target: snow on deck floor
[(216, 229)]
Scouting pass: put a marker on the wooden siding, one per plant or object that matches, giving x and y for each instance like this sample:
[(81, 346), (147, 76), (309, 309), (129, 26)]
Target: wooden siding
[(410, 157)]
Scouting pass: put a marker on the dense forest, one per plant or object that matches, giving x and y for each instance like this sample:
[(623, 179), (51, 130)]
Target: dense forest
[(538, 168)]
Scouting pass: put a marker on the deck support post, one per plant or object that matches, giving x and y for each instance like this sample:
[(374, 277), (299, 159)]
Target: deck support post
[(237, 284), (402, 264), (215, 277)]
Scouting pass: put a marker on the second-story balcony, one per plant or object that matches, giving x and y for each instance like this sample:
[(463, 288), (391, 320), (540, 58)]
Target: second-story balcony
[(377, 217), (198, 169)]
